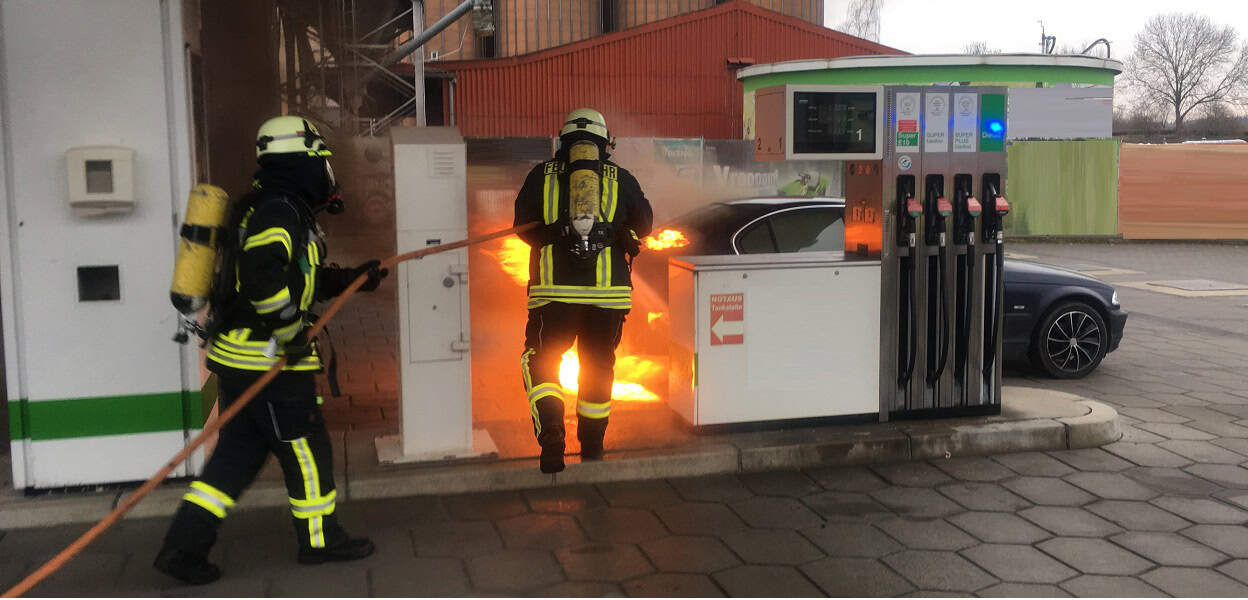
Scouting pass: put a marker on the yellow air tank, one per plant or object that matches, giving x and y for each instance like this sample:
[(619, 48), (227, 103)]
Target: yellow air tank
[(196, 264), (584, 187)]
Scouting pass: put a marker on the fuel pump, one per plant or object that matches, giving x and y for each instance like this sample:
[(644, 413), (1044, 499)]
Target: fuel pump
[(908, 211), (966, 209), (935, 209), (994, 269)]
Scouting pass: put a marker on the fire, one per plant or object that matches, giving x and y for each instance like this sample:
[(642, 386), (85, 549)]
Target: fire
[(626, 368), (654, 316), (513, 257), (668, 238)]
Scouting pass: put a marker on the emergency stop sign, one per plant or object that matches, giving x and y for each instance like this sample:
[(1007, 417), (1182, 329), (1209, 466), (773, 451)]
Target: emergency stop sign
[(727, 319)]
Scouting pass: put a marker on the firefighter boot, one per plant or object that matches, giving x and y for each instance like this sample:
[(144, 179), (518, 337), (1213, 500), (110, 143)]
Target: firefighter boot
[(188, 568), (590, 432), (550, 434), (348, 548)]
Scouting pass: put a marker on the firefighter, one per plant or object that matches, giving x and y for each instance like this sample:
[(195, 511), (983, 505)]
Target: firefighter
[(591, 215), (277, 275)]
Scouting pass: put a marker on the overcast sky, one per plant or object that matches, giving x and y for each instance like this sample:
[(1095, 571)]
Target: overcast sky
[(945, 26)]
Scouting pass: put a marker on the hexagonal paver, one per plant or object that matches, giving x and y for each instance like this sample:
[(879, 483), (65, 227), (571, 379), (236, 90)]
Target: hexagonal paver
[(1069, 521), (1137, 516), (1091, 459), (603, 562), (851, 539), (1100, 586), (699, 518), (916, 502), (1229, 539), (1049, 491), (911, 474), (1175, 431), (1230, 476), (638, 494), (564, 499), (999, 528), (711, 488), (855, 577), (1022, 564), (926, 534), (1095, 556), (1180, 581), (673, 585), (984, 496), (1202, 452), (973, 468), (426, 577), (939, 571), (852, 506), (487, 507), (514, 570), (771, 546), (1035, 464), (1170, 549), (1237, 569), (776, 513), (1111, 486), (579, 589), (1147, 455), (756, 581), (793, 484), (458, 539), (684, 554), (1203, 510), (1220, 428), (623, 525), (549, 532), (847, 479), (1022, 590), (1169, 480)]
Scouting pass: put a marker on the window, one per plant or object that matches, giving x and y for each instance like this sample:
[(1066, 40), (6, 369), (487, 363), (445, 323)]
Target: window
[(815, 229)]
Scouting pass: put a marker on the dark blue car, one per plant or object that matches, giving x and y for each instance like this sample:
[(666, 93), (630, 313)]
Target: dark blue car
[(1061, 322)]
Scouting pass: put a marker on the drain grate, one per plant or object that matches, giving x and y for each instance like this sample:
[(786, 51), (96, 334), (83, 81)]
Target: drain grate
[(1200, 285)]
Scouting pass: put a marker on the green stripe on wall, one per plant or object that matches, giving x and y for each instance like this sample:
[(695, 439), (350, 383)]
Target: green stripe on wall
[(107, 415), (1062, 187), (976, 74)]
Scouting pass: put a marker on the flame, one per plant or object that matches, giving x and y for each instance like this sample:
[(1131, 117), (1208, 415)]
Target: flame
[(654, 316), (668, 238), (513, 257), (626, 368)]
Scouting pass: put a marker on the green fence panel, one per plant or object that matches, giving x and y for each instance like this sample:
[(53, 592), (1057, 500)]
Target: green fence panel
[(1062, 187)]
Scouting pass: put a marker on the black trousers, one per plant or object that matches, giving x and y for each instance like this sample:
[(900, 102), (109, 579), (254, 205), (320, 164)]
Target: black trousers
[(550, 332), (284, 419)]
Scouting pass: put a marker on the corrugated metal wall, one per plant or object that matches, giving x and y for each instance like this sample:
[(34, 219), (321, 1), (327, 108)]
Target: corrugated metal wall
[(1063, 188), (670, 78)]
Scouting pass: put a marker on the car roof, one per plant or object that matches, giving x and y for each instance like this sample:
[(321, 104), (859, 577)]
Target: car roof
[(778, 200)]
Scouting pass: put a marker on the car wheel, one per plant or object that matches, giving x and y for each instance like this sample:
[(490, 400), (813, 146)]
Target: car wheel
[(1070, 341)]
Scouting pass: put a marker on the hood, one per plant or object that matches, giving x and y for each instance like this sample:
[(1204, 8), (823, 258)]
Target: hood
[(1027, 272)]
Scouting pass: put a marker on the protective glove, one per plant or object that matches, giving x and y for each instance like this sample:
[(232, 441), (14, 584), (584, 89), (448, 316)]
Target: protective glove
[(559, 234), (333, 280), (298, 347), (587, 250)]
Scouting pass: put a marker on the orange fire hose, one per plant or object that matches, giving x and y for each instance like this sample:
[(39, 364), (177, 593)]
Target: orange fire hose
[(212, 427)]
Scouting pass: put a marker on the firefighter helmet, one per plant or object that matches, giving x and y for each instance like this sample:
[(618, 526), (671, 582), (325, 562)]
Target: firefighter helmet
[(290, 134), (586, 123)]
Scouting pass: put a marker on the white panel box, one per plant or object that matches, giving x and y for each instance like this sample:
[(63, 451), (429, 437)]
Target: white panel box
[(773, 337), (100, 180)]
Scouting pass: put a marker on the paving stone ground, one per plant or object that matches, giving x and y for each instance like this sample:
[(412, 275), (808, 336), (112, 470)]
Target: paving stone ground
[(1161, 512)]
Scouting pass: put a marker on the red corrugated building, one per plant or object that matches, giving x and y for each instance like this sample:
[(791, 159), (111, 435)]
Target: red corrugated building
[(669, 78)]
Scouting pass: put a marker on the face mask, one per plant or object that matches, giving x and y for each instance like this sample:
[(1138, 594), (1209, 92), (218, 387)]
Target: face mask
[(335, 204)]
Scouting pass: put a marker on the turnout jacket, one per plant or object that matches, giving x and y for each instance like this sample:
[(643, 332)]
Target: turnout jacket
[(554, 275), (275, 277)]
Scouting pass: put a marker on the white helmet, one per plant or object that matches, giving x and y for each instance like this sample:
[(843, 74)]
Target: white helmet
[(290, 134)]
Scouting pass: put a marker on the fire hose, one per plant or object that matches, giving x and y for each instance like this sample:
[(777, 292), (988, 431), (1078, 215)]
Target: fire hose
[(224, 417)]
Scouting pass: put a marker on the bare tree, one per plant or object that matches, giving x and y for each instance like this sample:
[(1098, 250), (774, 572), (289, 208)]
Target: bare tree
[(863, 19), (980, 47), (1185, 60)]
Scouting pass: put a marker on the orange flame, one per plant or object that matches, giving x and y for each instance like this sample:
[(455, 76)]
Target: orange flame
[(654, 316), (627, 370), (513, 257), (668, 238)]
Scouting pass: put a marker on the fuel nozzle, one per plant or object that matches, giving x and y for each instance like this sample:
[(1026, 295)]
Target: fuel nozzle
[(998, 207), (938, 208)]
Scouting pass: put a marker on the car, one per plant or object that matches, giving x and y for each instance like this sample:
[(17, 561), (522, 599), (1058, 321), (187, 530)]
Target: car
[(1060, 322)]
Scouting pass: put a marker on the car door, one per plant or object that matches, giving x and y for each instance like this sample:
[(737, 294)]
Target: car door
[(799, 229)]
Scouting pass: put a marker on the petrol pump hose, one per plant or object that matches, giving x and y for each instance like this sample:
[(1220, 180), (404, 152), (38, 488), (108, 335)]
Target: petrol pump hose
[(213, 426)]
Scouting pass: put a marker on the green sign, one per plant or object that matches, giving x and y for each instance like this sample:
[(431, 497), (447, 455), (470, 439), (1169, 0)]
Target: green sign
[(907, 138), (992, 122)]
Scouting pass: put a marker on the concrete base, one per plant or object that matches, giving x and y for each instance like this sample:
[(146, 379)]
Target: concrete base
[(1031, 420), (390, 450)]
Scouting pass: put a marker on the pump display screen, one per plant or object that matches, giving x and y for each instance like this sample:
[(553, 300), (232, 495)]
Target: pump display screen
[(834, 122)]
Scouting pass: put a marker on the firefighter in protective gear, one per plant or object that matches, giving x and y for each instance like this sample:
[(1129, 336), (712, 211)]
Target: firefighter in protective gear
[(579, 284), (278, 275)]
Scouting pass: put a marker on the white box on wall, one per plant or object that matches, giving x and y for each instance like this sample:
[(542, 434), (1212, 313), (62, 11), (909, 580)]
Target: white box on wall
[(100, 180)]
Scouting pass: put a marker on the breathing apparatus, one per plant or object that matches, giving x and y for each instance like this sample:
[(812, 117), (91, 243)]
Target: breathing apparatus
[(584, 134), (196, 262)]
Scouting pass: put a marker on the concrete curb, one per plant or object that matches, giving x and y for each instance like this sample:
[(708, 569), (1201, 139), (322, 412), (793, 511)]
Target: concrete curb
[(1035, 420)]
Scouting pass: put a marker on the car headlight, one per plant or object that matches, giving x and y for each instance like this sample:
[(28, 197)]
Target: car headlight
[(1114, 299)]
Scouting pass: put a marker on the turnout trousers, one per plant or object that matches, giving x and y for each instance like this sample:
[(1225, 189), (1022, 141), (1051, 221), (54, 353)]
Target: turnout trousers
[(283, 419), (551, 331)]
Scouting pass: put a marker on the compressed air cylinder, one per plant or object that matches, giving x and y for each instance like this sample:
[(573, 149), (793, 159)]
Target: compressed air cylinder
[(584, 187), (197, 248)]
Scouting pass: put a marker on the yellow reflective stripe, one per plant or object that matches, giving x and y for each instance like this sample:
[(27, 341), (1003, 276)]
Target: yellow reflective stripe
[(309, 278), (594, 410), (321, 506), (269, 236), (545, 266), (546, 389), (624, 304), (613, 201), (259, 362), (311, 488), (273, 303), (528, 386), (550, 198), (583, 290), (205, 503), (287, 333), (213, 492)]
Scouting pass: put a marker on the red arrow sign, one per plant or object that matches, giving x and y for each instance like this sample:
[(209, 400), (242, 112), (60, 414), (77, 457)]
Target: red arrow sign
[(727, 319)]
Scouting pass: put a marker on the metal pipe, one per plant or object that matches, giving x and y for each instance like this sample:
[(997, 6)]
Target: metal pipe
[(412, 45)]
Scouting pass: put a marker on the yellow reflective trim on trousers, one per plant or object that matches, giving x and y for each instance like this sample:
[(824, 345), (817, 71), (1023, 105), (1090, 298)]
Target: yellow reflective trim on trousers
[(311, 488), (219, 495), (543, 390), (591, 410), (273, 303), (322, 506), (205, 503), (528, 385), (269, 236)]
